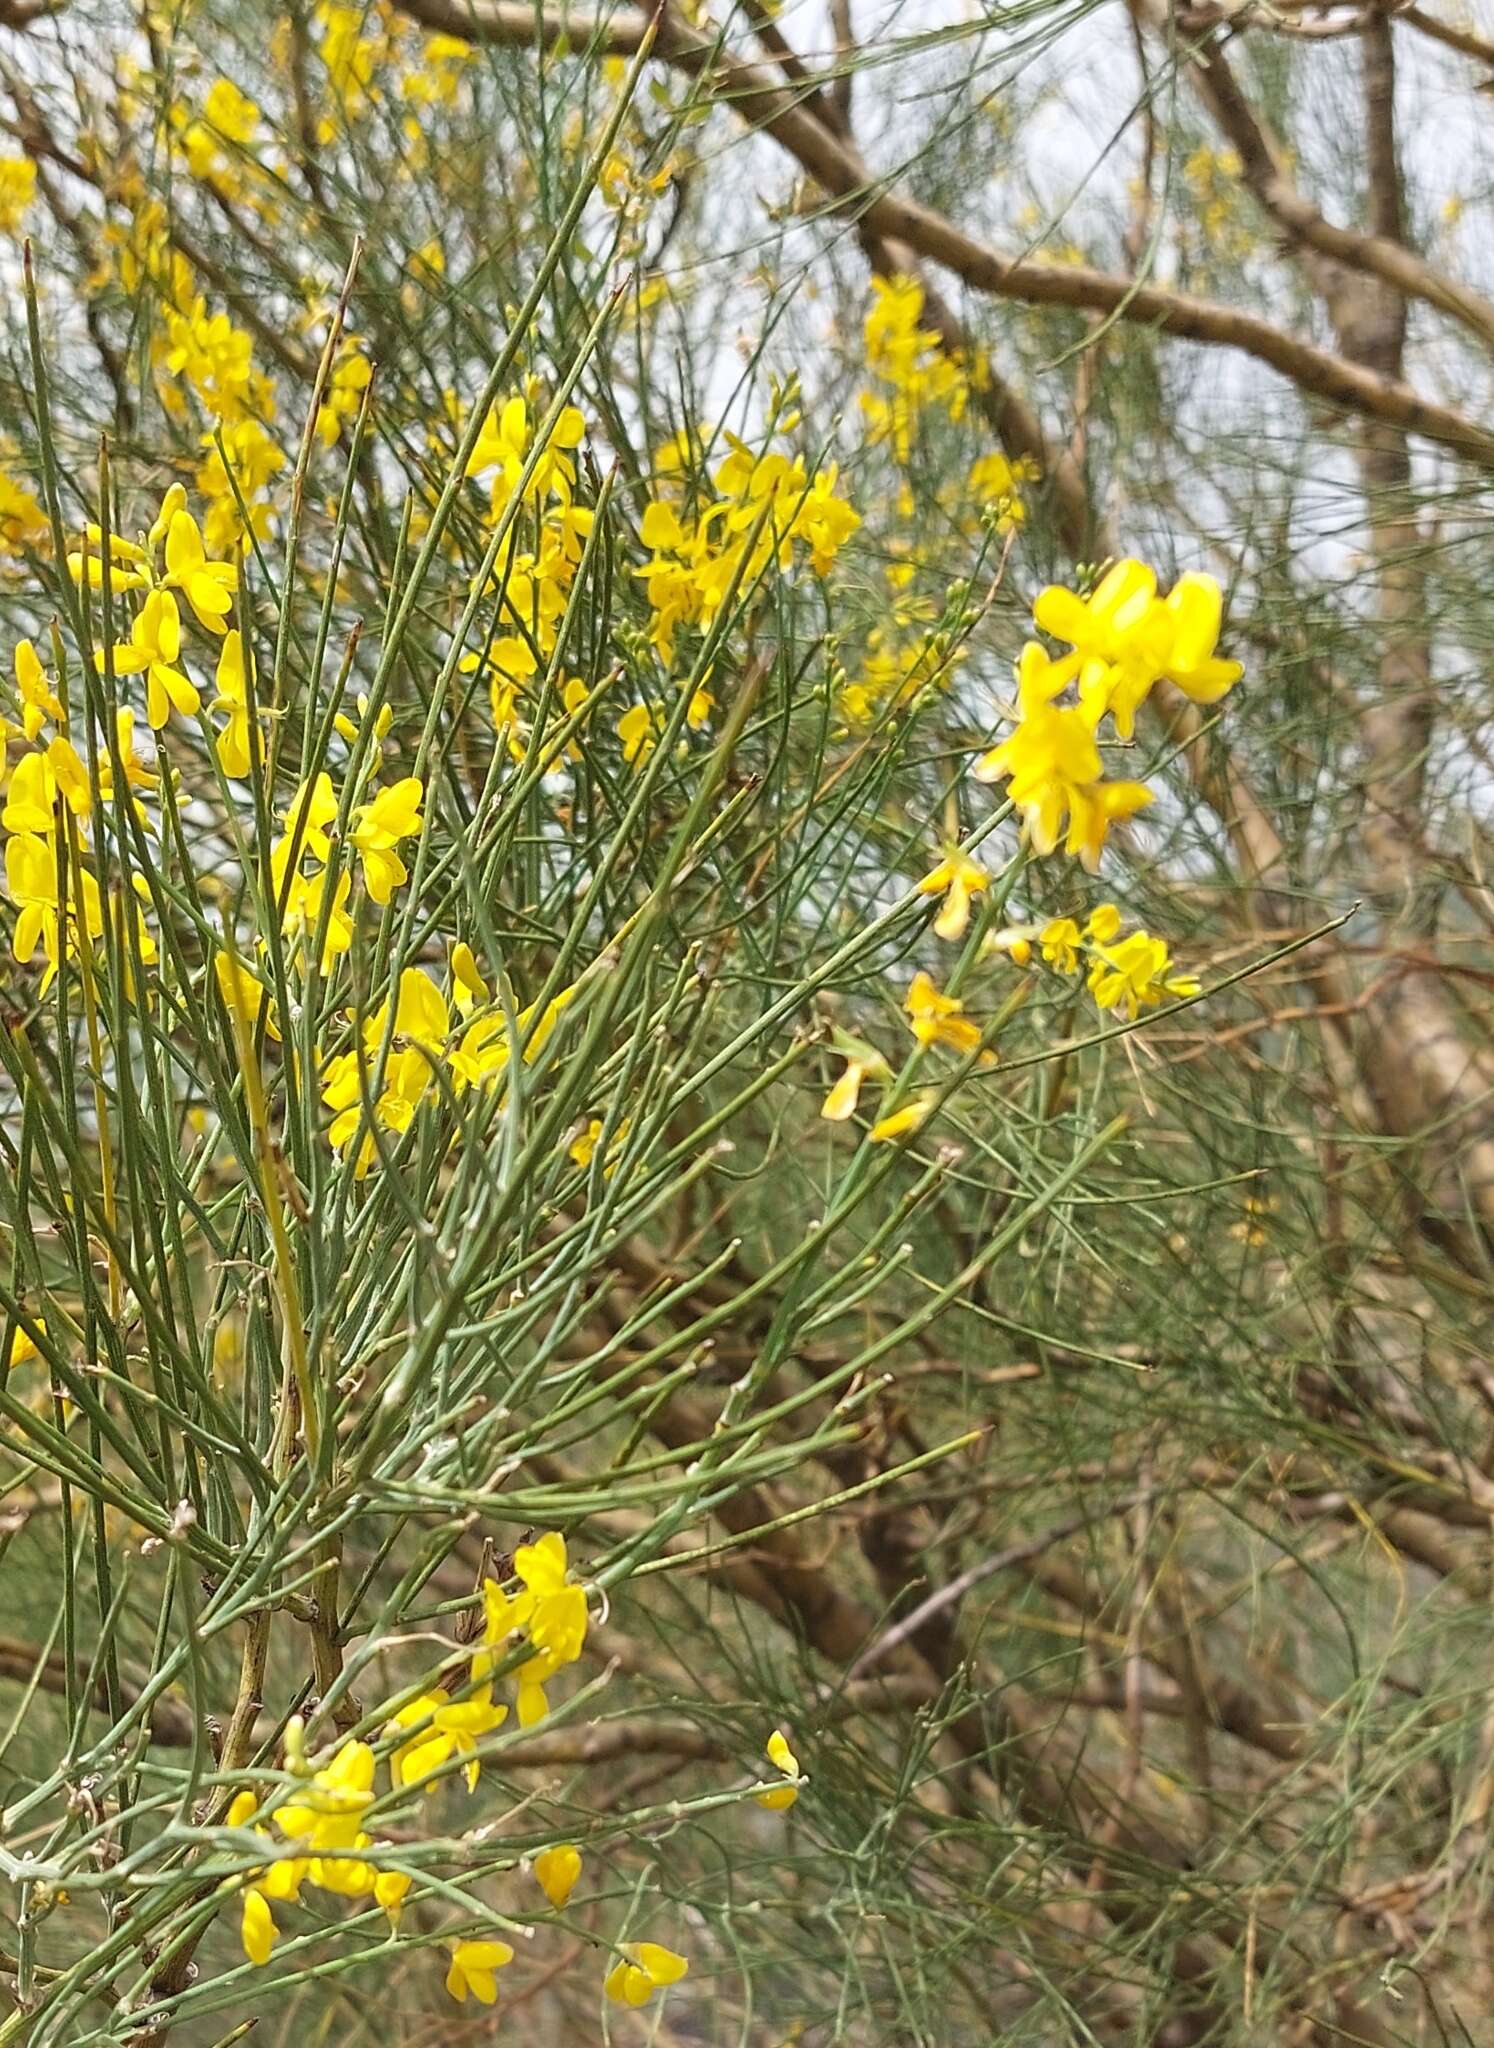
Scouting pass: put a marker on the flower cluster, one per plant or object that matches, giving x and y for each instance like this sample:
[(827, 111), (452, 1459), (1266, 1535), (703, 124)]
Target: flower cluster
[(1124, 640), (410, 1041), (316, 1835), (48, 878), (1129, 974), (533, 581), (764, 507), (934, 1018), (917, 373)]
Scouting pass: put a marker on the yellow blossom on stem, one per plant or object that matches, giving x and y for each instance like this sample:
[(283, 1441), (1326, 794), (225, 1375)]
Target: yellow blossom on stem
[(72, 777), (937, 1019), (582, 1148), (957, 879), (778, 1798), (312, 808), (390, 1888), (639, 729), (862, 1063), (557, 1871), (1053, 765), (1195, 607), (258, 1929), (350, 378), (154, 646), (31, 798), (349, 728), (899, 1122), (473, 1970), (1135, 973), (643, 1969), (441, 1728), (303, 913), (244, 994), (1059, 940), (503, 446), (467, 985), (31, 884), (326, 1813), (207, 586), (1015, 940), (376, 830), (38, 700), (420, 1025), (136, 774), (23, 1345), (233, 745), (551, 1610)]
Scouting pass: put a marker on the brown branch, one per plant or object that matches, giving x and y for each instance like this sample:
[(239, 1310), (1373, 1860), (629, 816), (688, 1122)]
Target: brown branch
[(1382, 254), (1479, 48), (778, 111), (171, 1720)]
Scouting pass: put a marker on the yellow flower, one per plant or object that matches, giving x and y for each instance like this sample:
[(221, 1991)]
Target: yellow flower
[(467, 985), (557, 1870), (343, 397), (31, 883), (349, 727), (38, 701), (234, 754), (17, 190), (1093, 811), (863, 1063), (72, 777), (207, 586), (956, 879), (551, 1610), (639, 729), (1059, 940), (244, 994), (154, 645), (421, 1023), (30, 800), (23, 1345), (136, 774), (22, 520), (938, 1019), (248, 459), (312, 808), (129, 564), (643, 1969), (1125, 638), (1015, 940), (900, 1121), (1194, 608), (839, 1106), (258, 1930), (583, 1146), (444, 1727), (376, 830), (503, 446), (327, 1812), (1135, 974), (390, 1887), (473, 1970), (778, 1798), (1103, 922), (303, 913), (1118, 634), (1054, 764)]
